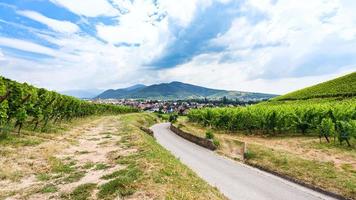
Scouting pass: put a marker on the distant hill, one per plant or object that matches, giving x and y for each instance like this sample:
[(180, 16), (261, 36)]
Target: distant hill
[(177, 90), (344, 86), (82, 94)]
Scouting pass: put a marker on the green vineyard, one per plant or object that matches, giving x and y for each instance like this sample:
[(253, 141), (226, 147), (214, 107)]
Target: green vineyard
[(328, 118), (344, 86), (23, 103)]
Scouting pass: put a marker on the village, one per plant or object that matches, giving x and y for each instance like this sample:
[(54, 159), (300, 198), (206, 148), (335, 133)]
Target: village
[(169, 106)]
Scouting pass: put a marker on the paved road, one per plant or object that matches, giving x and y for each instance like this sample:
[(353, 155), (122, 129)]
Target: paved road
[(235, 180)]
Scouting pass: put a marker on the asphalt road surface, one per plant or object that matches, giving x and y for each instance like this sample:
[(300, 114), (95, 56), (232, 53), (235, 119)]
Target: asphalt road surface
[(235, 180)]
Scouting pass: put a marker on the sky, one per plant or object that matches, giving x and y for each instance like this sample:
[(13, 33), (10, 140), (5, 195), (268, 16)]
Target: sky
[(271, 46)]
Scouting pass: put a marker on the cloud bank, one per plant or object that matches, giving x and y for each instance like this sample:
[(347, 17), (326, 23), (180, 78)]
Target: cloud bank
[(250, 45)]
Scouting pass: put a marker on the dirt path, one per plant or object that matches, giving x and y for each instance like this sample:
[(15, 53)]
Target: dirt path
[(53, 169)]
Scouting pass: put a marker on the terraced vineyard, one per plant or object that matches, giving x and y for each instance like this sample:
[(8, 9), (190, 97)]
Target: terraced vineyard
[(344, 86)]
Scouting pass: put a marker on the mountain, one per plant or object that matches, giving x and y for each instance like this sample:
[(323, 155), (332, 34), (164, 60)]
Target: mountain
[(344, 86), (134, 87), (177, 90), (82, 94)]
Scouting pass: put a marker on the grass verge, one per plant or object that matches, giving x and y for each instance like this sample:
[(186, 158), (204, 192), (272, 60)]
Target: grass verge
[(152, 170)]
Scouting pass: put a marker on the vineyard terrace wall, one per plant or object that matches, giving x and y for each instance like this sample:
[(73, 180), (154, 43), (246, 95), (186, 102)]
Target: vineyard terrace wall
[(195, 139)]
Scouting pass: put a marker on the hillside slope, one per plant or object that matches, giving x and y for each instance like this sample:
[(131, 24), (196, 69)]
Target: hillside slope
[(177, 90), (344, 86)]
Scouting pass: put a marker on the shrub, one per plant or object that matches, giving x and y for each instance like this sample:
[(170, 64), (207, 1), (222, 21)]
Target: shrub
[(216, 142), (249, 155), (209, 135), (173, 117)]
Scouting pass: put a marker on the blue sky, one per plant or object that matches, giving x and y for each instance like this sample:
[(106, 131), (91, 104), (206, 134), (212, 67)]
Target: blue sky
[(273, 46)]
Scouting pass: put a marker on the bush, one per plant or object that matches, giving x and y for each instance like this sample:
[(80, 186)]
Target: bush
[(249, 155), (173, 118), (209, 135), (216, 142)]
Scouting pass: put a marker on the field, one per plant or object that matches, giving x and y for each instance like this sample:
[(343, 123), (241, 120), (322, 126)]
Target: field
[(344, 86), (328, 166), (324, 118), (98, 157)]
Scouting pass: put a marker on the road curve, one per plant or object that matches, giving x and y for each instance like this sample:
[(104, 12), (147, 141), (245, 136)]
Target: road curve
[(235, 180)]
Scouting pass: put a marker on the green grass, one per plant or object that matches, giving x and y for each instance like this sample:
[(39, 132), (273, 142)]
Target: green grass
[(66, 170), (340, 87), (43, 177), (122, 183), (131, 173), (88, 165), (82, 192), (101, 166), (50, 188), (74, 177), (58, 166)]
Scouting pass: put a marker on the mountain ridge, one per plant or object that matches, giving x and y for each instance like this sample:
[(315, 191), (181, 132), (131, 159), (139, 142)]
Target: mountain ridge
[(178, 91)]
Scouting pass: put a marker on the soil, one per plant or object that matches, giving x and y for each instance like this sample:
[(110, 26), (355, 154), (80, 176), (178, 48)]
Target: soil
[(90, 144)]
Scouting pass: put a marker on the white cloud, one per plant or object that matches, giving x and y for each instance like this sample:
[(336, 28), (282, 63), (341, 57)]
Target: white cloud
[(184, 10), (88, 8), (137, 26), (56, 25), (235, 76), (265, 54), (149, 24), (2, 57), (26, 46), (290, 32), (289, 35)]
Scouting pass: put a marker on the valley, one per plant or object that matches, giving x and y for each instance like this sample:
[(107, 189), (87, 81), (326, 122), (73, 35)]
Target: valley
[(60, 147), (177, 100)]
